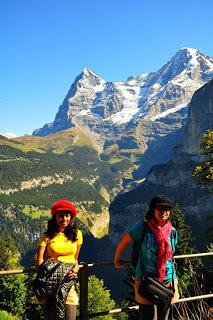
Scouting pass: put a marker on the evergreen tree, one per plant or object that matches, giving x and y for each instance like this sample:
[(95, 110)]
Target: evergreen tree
[(99, 300), (9, 255), (204, 173), (12, 288), (187, 269), (204, 170)]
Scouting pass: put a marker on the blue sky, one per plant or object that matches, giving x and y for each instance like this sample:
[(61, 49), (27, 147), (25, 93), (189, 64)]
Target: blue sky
[(45, 44)]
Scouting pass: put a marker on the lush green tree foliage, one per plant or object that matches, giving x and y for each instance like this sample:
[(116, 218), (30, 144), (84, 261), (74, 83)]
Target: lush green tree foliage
[(4, 315), (9, 255), (187, 269), (99, 300), (204, 173), (204, 170), (12, 288)]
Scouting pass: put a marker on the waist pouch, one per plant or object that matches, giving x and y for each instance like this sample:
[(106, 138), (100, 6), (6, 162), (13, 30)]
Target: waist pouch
[(156, 291)]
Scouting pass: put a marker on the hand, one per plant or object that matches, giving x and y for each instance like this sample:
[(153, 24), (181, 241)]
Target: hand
[(119, 264), (73, 272)]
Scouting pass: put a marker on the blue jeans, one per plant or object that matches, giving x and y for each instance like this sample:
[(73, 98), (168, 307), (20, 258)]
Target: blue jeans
[(147, 312)]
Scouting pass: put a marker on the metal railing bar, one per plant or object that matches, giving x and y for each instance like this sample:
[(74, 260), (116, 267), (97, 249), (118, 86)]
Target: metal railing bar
[(133, 308), (17, 271), (205, 296), (114, 311), (193, 255), (102, 264)]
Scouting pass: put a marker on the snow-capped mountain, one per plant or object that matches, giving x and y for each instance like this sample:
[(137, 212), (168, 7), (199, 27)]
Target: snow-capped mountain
[(174, 84), (142, 116), (80, 96), (147, 96)]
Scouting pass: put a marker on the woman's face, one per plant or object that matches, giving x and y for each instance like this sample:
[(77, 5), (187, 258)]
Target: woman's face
[(162, 214), (63, 219)]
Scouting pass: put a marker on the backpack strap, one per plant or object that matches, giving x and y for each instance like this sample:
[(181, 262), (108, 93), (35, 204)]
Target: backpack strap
[(143, 234), (173, 237), (137, 246)]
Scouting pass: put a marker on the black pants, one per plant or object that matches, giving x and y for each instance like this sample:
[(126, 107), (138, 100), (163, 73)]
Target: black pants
[(147, 312)]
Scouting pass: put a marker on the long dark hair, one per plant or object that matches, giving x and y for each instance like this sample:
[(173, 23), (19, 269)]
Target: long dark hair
[(149, 214), (71, 231)]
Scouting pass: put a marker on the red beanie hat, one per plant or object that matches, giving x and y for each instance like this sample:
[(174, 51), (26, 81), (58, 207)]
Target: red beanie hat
[(63, 205)]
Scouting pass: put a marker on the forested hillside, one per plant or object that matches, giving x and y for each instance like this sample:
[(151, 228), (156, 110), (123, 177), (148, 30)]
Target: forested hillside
[(32, 180)]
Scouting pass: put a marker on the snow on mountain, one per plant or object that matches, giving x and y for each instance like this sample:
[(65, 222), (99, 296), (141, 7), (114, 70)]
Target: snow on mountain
[(169, 111), (79, 98), (130, 104), (91, 100), (9, 135), (88, 84), (175, 82)]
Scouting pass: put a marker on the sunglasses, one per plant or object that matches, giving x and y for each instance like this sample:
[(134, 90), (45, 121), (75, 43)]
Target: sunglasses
[(163, 209)]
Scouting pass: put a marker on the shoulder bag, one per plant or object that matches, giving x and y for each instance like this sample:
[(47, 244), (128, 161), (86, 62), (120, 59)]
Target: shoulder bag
[(156, 291)]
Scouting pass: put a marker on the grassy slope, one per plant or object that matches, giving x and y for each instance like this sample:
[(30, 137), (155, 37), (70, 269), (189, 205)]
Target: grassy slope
[(57, 143)]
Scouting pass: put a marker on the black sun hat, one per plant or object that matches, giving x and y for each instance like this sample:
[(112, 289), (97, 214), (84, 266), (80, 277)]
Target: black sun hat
[(161, 201)]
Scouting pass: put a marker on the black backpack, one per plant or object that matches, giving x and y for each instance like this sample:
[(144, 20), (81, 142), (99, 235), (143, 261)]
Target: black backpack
[(137, 247)]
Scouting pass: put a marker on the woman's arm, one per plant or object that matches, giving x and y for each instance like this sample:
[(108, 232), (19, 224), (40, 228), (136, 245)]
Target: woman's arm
[(73, 272), (40, 256), (123, 243), (77, 252)]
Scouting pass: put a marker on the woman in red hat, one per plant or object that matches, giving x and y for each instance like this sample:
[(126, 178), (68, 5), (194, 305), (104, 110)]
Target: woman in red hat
[(62, 243)]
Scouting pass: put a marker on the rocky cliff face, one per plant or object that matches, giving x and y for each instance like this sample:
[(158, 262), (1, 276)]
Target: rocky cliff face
[(173, 178), (200, 119)]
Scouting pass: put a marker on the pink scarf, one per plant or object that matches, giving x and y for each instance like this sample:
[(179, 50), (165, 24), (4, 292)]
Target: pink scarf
[(164, 249)]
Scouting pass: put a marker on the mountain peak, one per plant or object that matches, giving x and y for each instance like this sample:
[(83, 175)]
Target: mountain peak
[(188, 61), (191, 56), (89, 73), (87, 70), (186, 55), (188, 49), (88, 76)]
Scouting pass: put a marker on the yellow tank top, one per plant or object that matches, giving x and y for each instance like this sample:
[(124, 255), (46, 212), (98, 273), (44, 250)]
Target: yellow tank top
[(60, 248)]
